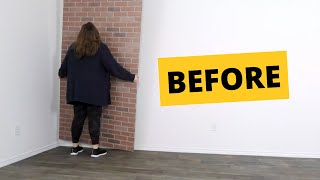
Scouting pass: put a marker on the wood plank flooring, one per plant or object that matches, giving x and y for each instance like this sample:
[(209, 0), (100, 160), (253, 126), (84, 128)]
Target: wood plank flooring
[(57, 164)]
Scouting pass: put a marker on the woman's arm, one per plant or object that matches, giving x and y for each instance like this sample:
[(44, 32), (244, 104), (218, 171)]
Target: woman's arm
[(63, 68), (114, 67), (63, 71)]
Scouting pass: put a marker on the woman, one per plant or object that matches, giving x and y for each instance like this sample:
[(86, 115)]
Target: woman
[(88, 65)]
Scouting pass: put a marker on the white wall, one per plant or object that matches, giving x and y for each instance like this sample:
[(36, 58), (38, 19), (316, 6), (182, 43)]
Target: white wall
[(30, 52), (200, 27)]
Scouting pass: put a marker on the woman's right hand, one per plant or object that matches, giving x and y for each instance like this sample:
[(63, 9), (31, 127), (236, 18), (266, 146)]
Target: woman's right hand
[(136, 78)]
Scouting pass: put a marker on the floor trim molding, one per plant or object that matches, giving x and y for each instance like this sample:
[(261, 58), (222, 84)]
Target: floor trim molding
[(228, 152), (28, 154)]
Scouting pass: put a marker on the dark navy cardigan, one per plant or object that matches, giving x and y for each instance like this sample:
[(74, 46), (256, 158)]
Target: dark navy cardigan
[(88, 78)]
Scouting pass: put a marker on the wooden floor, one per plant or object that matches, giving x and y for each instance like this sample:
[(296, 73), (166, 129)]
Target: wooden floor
[(58, 165)]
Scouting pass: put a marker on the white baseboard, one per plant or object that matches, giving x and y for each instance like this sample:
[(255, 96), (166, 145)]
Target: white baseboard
[(27, 154), (227, 152)]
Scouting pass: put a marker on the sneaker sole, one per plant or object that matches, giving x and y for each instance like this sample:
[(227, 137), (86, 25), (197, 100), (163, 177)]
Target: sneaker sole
[(95, 156), (74, 154)]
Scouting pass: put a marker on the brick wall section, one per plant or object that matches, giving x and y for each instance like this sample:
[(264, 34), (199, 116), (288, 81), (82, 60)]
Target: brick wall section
[(118, 22)]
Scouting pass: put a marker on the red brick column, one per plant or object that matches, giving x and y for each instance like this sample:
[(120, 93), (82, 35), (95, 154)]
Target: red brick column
[(118, 22)]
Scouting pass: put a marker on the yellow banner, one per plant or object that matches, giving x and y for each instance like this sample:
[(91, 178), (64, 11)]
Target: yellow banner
[(223, 78)]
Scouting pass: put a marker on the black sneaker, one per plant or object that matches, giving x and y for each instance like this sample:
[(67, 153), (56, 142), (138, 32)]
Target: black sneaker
[(75, 151), (98, 152)]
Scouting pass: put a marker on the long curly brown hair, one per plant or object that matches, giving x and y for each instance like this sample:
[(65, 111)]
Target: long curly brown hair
[(88, 41)]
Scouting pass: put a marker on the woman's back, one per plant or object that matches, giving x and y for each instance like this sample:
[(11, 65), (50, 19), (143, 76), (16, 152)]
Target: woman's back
[(88, 66)]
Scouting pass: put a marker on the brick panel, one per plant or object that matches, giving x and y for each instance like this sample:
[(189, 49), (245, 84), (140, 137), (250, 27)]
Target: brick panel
[(119, 24)]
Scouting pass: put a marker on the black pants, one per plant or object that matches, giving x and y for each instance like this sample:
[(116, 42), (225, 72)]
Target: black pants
[(81, 111)]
